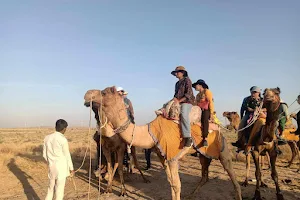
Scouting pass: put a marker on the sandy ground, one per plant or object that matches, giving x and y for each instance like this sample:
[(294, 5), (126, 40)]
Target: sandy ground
[(23, 173)]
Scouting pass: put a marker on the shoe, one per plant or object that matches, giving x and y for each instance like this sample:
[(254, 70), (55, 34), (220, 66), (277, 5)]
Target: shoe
[(188, 142), (147, 168), (281, 141), (236, 144), (195, 154), (205, 143), (297, 132)]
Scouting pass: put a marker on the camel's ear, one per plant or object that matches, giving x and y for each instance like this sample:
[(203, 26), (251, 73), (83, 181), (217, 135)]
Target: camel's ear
[(278, 89), (113, 89), (265, 91)]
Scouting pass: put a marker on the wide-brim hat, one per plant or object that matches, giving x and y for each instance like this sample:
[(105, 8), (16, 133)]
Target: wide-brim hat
[(200, 82), (178, 69)]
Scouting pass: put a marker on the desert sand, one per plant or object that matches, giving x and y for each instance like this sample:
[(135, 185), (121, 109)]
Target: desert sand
[(23, 172)]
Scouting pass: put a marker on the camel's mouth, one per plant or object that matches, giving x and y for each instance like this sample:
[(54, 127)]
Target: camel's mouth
[(94, 104)]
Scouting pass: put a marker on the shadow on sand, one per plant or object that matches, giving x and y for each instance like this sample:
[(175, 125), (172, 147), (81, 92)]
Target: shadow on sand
[(159, 187), (23, 178)]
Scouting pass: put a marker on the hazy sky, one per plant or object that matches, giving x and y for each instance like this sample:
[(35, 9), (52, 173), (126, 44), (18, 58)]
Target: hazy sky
[(52, 52)]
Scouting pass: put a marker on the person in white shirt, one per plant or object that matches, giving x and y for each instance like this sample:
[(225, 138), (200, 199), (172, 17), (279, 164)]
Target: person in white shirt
[(56, 153)]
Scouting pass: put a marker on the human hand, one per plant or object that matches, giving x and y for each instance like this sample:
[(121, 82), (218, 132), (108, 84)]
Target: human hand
[(72, 173), (293, 115), (250, 109)]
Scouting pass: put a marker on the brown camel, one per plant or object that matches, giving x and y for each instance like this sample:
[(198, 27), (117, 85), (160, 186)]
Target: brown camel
[(234, 119), (116, 145), (114, 112), (266, 141)]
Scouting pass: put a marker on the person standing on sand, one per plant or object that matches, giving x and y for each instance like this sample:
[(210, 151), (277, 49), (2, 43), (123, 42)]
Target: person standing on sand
[(60, 166)]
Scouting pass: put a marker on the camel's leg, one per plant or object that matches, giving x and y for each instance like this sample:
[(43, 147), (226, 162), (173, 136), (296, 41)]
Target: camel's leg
[(174, 180), (115, 168), (273, 157), (255, 156), (133, 152), (245, 183), (120, 155), (268, 159), (293, 149), (297, 152), (205, 162), (226, 161), (107, 154)]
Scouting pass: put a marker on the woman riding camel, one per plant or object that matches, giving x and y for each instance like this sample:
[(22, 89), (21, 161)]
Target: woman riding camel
[(185, 97), (204, 100)]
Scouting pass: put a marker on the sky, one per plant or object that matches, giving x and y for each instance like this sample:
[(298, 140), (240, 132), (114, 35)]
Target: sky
[(52, 52)]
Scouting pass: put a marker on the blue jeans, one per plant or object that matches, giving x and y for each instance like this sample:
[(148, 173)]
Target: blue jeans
[(185, 119)]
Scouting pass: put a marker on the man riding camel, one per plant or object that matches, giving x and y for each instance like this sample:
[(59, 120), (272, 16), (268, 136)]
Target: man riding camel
[(249, 105), (185, 97), (297, 118)]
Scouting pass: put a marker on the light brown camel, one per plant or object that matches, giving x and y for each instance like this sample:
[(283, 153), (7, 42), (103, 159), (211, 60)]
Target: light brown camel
[(115, 113), (115, 144), (234, 119), (265, 142)]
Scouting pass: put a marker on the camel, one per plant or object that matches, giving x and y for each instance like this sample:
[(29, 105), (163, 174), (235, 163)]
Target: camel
[(116, 145), (265, 142), (114, 112), (234, 119)]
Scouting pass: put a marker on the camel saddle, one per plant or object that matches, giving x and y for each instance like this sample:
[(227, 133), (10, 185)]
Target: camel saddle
[(168, 139), (171, 111)]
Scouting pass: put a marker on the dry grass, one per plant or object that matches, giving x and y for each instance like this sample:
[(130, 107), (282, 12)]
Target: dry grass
[(23, 171)]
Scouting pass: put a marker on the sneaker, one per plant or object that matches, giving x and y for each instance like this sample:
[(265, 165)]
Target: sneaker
[(195, 154), (236, 144), (188, 142), (297, 132), (281, 141)]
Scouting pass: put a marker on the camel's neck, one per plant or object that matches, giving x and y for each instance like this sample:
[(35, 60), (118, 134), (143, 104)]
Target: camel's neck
[(141, 136), (272, 111)]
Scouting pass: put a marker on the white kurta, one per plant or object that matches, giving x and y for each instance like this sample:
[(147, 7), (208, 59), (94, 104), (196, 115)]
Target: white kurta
[(56, 153)]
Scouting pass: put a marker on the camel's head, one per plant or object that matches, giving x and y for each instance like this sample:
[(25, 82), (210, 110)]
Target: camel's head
[(93, 96), (272, 95), (111, 102), (230, 115)]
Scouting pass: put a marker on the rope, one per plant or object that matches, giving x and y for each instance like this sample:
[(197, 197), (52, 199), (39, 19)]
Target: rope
[(100, 148), (252, 121), (132, 137), (90, 169)]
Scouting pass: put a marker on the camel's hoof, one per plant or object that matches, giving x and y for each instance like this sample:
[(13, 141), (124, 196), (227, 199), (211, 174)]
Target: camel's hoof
[(123, 193), (279, 196), (245, 183), (263, 185), (257, 196)]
